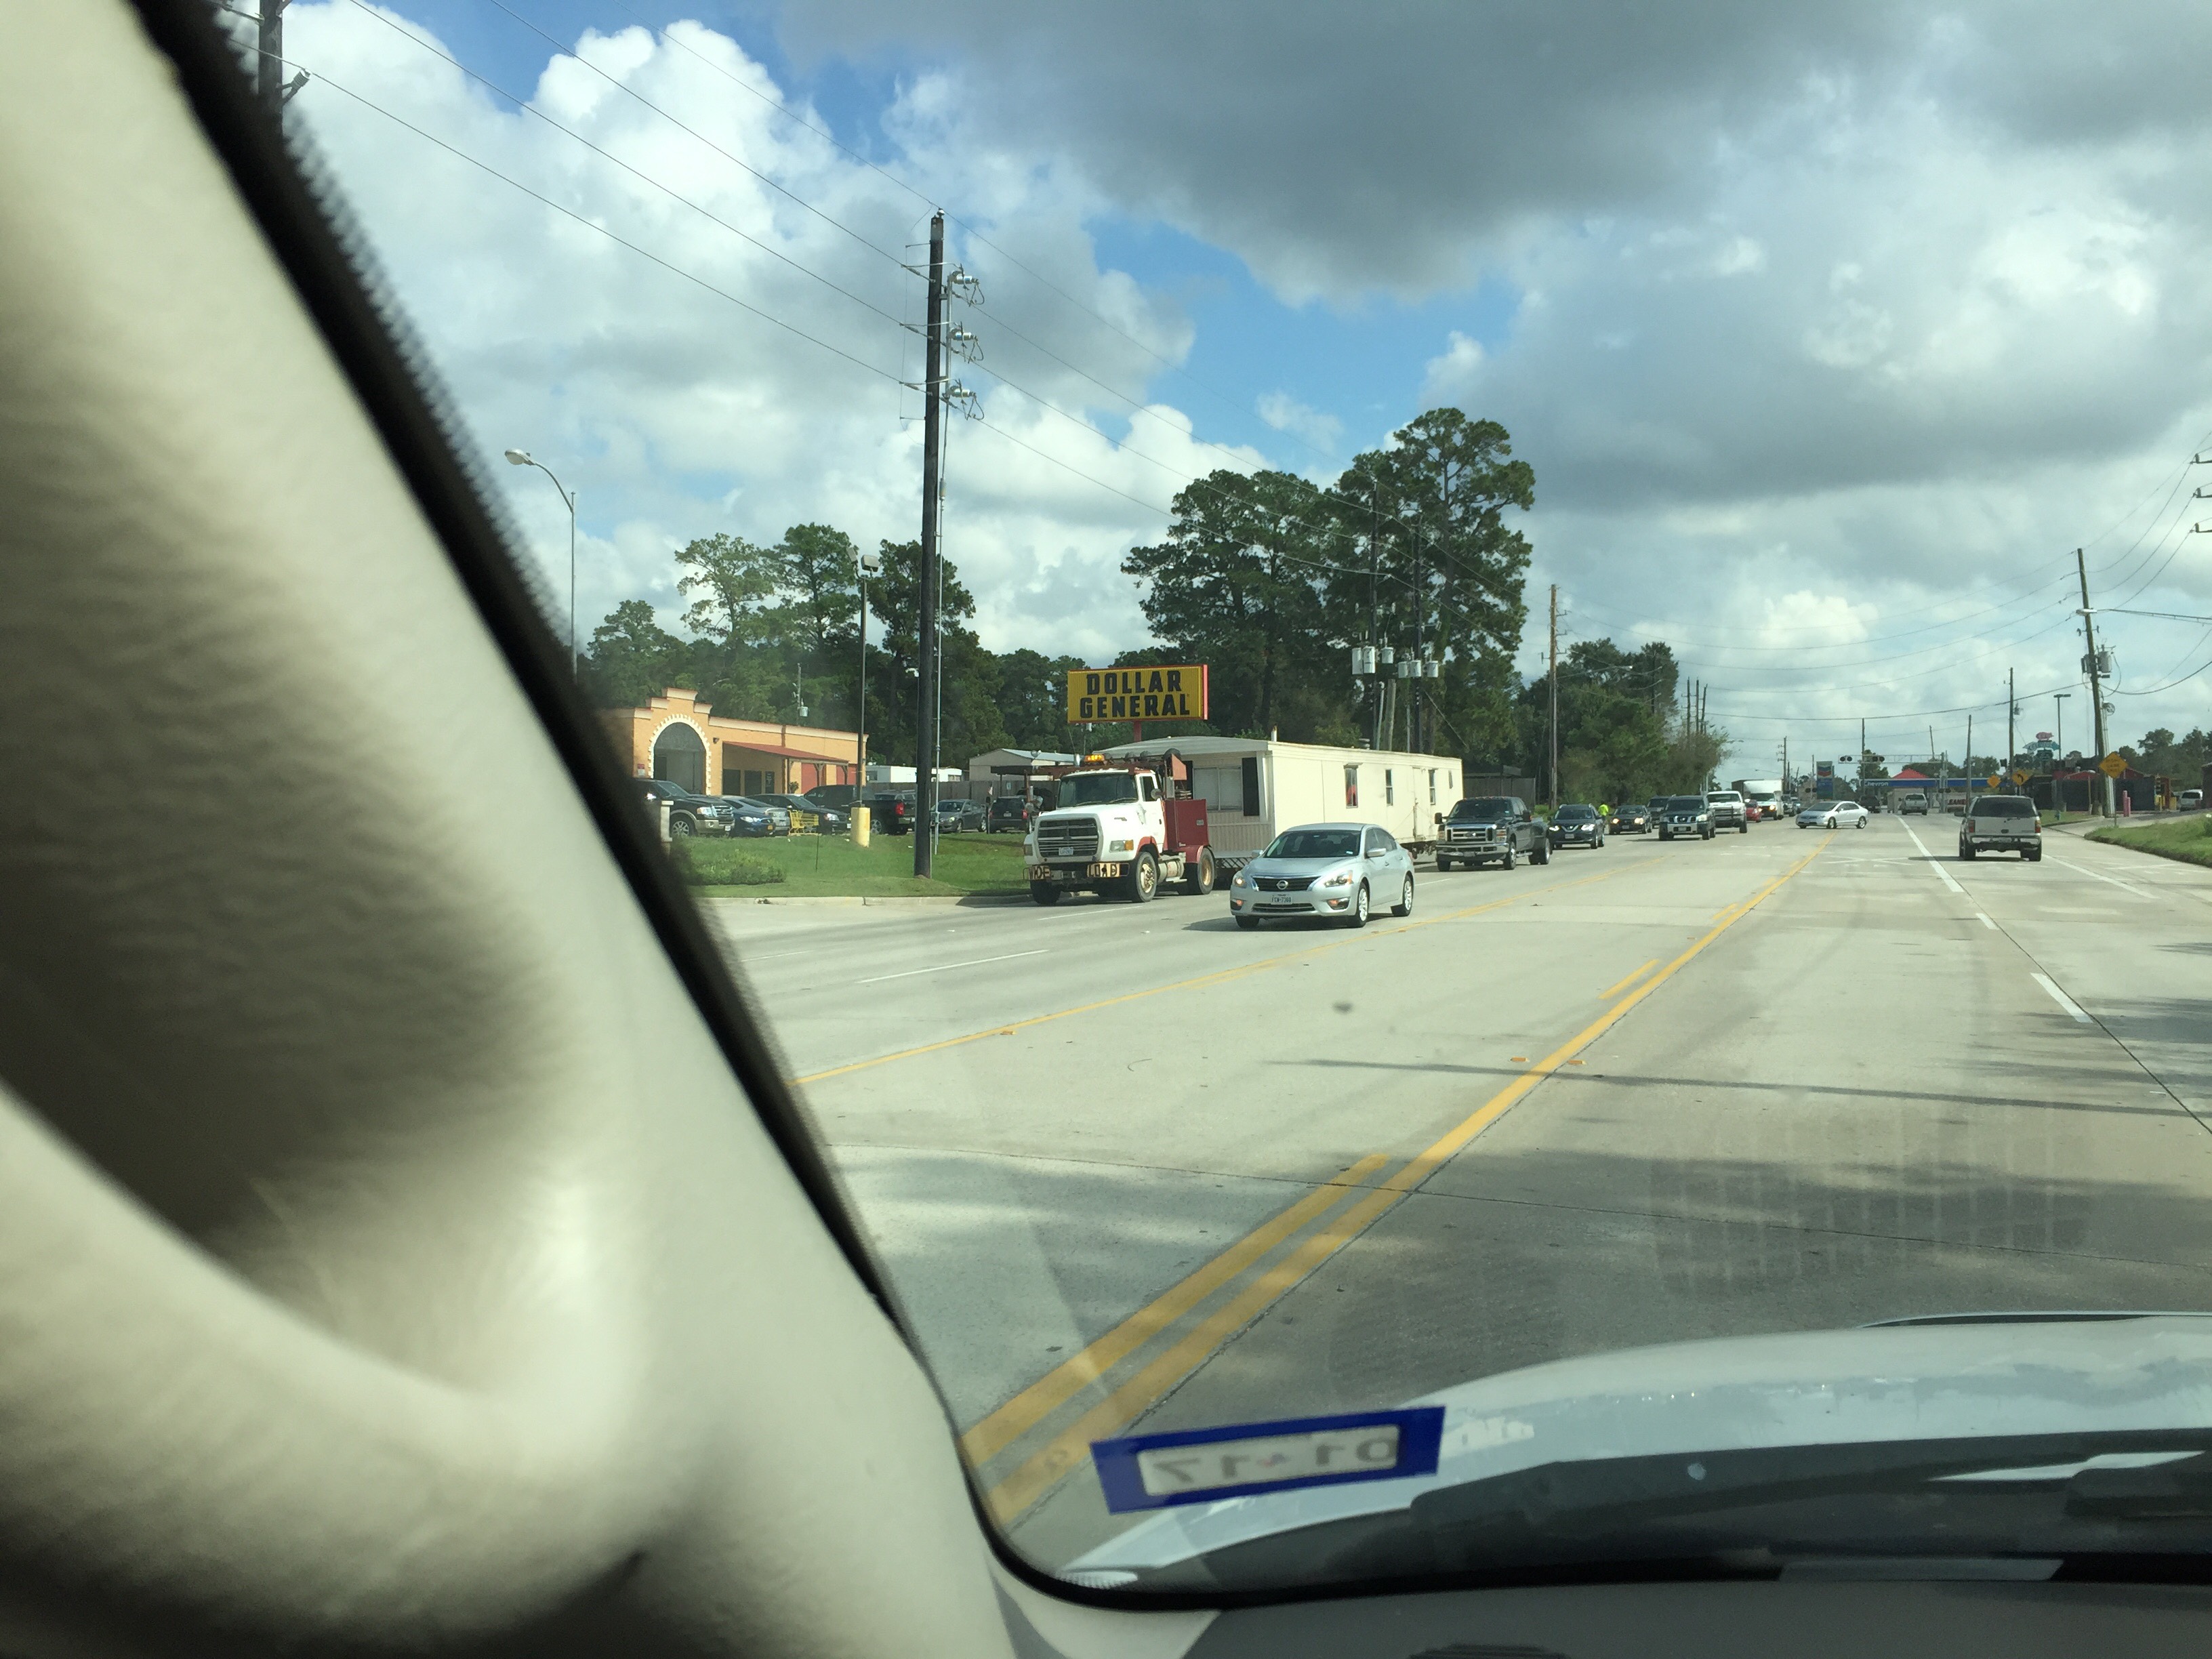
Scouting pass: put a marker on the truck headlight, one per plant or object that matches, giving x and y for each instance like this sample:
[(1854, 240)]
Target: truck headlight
[(1120, 846)]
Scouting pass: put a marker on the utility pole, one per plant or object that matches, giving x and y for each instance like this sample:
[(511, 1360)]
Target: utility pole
[(2012, 739), (269, 83), (1553, 789), (1966, 766), (2096, 680), (932, 459)]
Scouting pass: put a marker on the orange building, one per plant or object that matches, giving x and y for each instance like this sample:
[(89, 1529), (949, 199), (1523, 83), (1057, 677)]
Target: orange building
[(677, 737)]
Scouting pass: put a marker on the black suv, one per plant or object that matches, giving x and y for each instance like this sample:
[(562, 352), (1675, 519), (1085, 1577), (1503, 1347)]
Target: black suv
[(687, 814), (1492, 829), (1011, 812)]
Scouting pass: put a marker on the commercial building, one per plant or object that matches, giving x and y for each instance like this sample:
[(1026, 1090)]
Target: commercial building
[(677, 737)]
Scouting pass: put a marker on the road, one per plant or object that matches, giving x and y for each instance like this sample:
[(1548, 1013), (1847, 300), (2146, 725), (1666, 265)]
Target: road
[(1127, 1165)]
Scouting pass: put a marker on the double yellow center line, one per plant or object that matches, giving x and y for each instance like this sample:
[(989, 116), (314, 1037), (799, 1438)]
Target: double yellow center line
[(1066, 1451)]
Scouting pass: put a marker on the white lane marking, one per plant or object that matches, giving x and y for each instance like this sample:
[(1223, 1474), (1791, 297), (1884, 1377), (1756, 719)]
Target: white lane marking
[(1933, 864), (1986, 922), (2063, 999), (2101, 876), (947, 967)]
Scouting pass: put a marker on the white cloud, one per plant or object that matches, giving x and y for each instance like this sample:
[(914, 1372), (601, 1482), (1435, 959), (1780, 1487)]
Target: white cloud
[(1286, 414), (679, 412)]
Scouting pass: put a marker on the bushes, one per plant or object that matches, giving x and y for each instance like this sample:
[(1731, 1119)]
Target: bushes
[(701, 863)]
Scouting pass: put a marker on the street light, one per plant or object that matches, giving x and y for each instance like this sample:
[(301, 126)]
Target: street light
[(522, 457)]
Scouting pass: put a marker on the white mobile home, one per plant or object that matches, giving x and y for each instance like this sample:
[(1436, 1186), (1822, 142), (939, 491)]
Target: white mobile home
[(1253, 787)]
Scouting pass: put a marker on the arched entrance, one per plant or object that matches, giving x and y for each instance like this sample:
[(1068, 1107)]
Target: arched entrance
[(680, 757)]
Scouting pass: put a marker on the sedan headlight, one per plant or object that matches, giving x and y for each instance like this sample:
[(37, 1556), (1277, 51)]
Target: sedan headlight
[(1341, 878), (1240, 880)]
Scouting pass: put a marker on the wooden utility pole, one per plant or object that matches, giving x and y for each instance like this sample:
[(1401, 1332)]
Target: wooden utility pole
[(1554, 782), (2096, 679), (932, 461)]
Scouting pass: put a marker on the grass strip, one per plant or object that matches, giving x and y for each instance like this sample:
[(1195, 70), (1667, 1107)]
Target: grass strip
[(2188, 840), (831, 867)]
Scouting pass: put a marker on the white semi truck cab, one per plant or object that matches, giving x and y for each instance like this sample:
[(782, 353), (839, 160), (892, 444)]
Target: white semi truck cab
[(1122, 827)]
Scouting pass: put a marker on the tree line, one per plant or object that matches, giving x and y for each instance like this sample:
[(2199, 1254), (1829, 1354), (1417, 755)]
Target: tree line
[(1268, 577)]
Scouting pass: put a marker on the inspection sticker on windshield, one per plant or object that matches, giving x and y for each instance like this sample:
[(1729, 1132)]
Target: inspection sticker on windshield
[(1197, 1466)]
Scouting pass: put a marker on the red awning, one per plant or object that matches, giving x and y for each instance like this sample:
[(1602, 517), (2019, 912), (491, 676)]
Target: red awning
[(788, 754)]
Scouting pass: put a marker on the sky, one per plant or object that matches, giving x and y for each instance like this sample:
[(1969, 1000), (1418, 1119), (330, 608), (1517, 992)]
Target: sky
[(1829, 338)]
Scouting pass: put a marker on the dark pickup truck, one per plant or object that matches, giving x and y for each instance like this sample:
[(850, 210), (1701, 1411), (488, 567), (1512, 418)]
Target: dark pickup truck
[(1492, 829)]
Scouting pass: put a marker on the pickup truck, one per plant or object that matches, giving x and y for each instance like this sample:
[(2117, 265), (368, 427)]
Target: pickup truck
[(1492, 829), (2002, 823), (1726, 806)]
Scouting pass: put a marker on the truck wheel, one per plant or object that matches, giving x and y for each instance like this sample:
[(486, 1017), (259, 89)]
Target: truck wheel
[(1542, 854), (1145, 883), (1965, 851), (1358, 918), (1444, 863), (1512, 857), (678, 827), (1198, 874), (1404, 907), (1743, 829), (1044, 893)]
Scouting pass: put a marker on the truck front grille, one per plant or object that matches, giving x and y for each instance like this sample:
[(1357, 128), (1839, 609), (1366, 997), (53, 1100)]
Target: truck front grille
[(1067, 838)]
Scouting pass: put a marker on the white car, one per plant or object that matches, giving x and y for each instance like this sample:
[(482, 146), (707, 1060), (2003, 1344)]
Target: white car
[(1841, 815)]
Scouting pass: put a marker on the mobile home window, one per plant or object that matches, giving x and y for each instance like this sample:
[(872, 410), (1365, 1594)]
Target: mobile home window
[(1352, 786), (1389, 786), (1251, 786), (1432, 786)]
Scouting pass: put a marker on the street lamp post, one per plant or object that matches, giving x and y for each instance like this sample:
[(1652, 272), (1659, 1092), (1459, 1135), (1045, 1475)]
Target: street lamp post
[(522, 457)]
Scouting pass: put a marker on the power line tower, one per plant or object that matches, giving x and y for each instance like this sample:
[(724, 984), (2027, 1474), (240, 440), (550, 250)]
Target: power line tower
[(926, 641)]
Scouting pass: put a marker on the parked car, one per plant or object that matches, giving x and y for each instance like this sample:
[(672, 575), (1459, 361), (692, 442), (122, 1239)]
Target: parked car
[(890, 812), (956, 815), (779, 816), (843, 796), (1726, 809), (1012, 812), (806, 815), (1335, 870), (687, 814), (1492, 829), (1631, 820), (1833, 815), (2190, 800), (1686, 814), (1577, 825), (2002, 823)]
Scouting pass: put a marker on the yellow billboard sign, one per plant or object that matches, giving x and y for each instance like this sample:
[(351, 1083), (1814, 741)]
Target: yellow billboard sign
[(1138, 694)]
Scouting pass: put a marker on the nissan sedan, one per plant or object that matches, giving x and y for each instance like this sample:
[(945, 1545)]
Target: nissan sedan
[(1340, 871), (1838, 815)]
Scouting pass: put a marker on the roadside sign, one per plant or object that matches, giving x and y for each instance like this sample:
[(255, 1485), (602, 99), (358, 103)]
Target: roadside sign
[(1995, 780), (2112, 766), (2020, 777), (1138, 694)]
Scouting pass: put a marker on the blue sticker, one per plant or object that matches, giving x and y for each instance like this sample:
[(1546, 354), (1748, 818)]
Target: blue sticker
[(1199, 1466)]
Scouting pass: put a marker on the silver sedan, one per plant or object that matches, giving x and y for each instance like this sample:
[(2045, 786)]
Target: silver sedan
[(1340, 871)]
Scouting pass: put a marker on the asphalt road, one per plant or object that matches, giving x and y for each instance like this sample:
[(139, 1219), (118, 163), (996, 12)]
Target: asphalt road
[(1129, 1167)]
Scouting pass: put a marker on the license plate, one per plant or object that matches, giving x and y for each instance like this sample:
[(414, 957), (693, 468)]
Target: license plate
[(1102, 872)]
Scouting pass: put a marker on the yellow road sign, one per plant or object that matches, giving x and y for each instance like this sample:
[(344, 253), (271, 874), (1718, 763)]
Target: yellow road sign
[(1994, 779), (2112, 766), (2020, 777)]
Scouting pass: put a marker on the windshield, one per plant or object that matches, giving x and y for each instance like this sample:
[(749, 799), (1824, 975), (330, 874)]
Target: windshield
[(1491, 806), (1324, 470), (1098, 789), (1315, 844)]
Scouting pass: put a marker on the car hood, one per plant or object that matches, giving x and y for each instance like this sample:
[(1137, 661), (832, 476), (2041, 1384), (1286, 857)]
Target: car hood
[(1258, 867), (1883, 1383)]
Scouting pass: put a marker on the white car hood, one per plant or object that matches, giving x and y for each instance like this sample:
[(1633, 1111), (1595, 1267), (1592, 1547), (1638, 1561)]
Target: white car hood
[(1818, 1388)]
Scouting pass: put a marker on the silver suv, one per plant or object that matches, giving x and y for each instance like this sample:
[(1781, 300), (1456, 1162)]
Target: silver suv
[(2002, 823), (1726, 806)]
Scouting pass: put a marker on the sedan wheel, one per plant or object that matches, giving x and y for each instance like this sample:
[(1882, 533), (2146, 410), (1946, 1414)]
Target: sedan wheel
[(1404, 907), (1358, 916)]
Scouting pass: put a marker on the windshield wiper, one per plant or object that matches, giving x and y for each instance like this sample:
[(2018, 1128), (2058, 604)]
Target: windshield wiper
[(1752, 1510)]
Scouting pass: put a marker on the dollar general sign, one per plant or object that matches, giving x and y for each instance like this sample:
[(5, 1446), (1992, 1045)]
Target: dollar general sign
[(1138, 694)]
